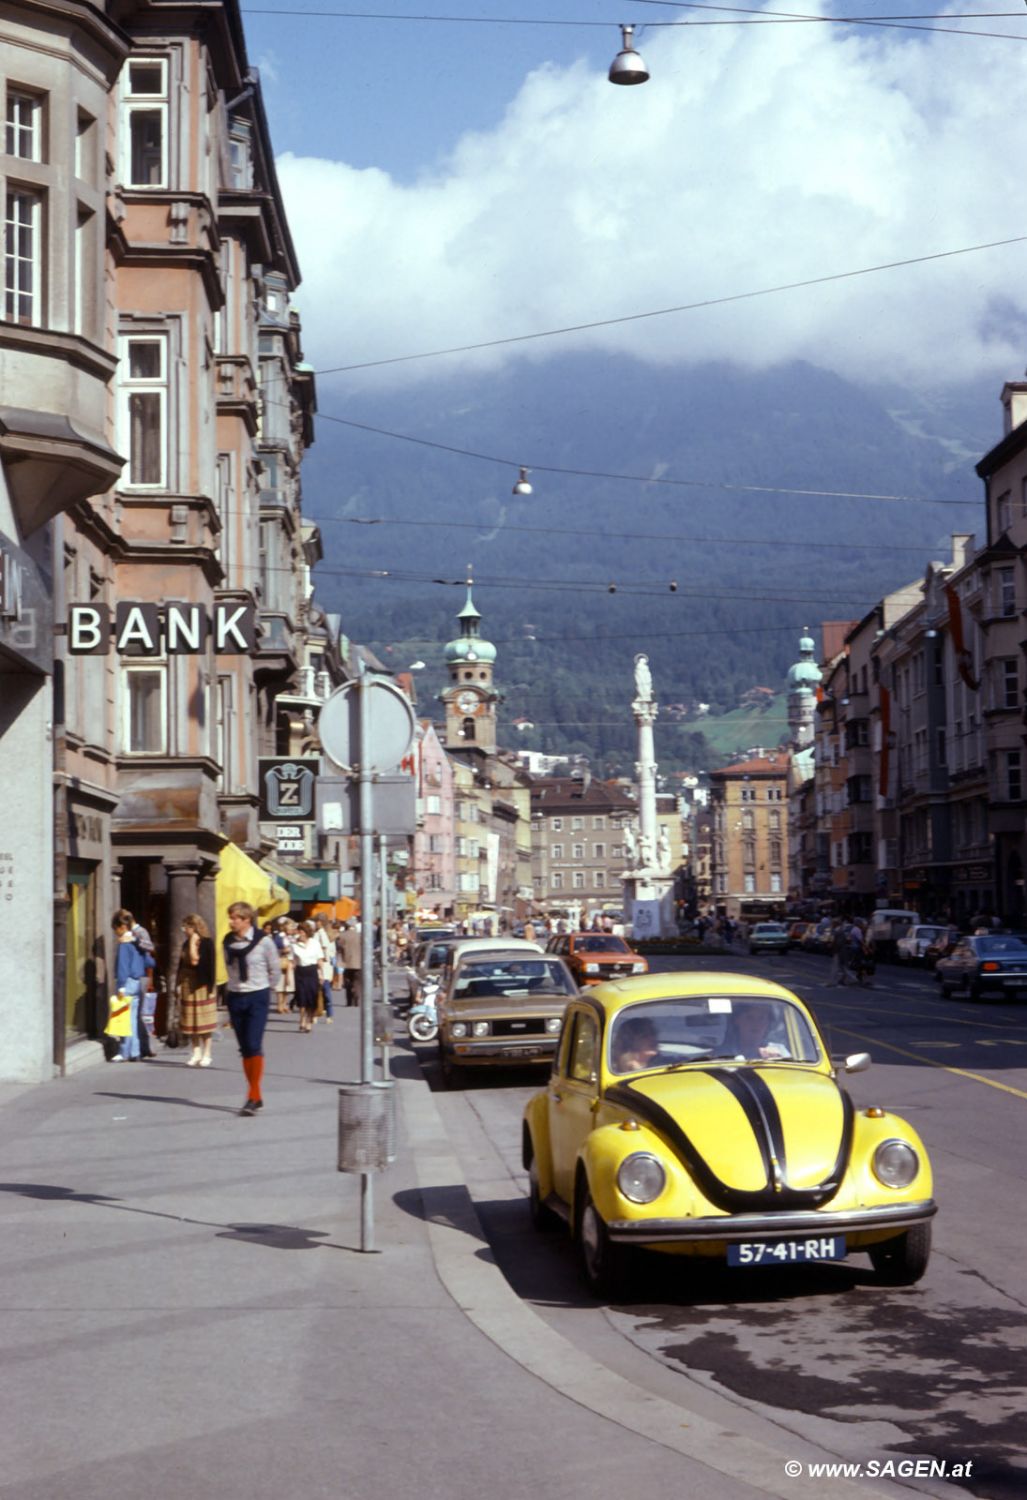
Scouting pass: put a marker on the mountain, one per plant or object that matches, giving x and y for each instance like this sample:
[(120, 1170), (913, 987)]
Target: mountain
[(714, 582)]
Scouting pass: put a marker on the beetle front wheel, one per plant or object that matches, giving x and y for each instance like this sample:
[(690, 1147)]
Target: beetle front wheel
[(604, 1265), (903, 1260)]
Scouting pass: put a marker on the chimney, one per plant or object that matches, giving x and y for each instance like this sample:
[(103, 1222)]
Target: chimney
[(1014, 402)]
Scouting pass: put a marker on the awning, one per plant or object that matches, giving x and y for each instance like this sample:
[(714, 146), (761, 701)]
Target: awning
[(240, 878), (291, 874)]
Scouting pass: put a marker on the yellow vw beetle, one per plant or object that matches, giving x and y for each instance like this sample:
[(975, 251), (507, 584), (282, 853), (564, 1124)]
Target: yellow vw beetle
[(699, 1114)]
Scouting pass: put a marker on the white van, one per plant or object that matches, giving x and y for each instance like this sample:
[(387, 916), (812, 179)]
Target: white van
[(887, 924)]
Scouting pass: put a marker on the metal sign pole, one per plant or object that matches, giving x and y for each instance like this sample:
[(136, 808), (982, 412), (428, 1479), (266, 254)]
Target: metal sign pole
[(366, 930), (383, 875)]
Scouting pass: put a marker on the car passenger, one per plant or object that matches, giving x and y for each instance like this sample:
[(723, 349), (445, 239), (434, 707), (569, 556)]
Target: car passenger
[(636, 1046), (747, 1032)]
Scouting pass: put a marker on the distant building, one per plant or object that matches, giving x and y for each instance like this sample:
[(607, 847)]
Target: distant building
[(749, 866), (578, 842)]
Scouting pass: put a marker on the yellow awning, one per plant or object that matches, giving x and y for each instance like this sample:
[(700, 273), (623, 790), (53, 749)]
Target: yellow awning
[(240, 878)]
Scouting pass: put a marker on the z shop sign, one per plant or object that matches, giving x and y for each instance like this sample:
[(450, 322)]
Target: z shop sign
[(159, 629)]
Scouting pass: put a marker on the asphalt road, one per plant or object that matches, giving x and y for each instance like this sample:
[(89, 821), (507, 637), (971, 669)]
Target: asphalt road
[(936, 1371)]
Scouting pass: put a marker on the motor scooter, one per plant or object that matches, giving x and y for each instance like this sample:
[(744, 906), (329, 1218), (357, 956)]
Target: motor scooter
[(423, 1020)]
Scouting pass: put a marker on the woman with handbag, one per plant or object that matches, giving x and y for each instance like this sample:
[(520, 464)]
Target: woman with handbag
[(197, 995), (306, 951)]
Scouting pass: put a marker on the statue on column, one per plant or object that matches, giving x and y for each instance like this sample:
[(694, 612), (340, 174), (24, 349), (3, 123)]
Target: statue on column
[(643, 678), (630, 846), (664, 848), (645, 851)]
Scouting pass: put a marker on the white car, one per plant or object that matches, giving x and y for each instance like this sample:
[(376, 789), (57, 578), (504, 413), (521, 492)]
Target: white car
[(912, 947)]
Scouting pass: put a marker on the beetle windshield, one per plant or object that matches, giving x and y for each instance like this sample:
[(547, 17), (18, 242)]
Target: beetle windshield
[(674, 1032)]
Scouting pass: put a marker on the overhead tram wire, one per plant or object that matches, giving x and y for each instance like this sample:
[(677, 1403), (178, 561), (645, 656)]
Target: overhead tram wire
[(663, 312), (741, 18), (699, 484)]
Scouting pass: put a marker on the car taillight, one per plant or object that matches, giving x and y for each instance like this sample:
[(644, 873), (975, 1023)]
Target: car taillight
[(989, 968)]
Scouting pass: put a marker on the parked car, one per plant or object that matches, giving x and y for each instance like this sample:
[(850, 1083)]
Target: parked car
[(942, 946), (595, 956), (913, 945), (798, 931), (698, 1114), (995, 964), (818, 939), (769, 937), (502, 1007)]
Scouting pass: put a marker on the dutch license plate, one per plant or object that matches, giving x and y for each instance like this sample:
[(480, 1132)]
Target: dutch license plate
[(786, 1252)]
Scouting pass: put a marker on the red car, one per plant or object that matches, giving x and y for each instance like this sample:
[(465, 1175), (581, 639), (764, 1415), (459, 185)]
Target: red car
[(595, 956)]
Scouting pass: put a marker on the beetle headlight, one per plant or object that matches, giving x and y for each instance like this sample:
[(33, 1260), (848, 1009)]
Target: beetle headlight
[(591, 968), (458, 1028), (895, 1164), (641, 1178), (554, 1023), (480, 1028)]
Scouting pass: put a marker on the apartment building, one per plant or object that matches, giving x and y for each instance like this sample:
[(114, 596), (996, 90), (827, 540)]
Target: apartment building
[(578, 841), (749, 865)]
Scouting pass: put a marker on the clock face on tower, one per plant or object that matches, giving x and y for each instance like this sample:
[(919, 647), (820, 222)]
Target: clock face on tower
[(467, 702)]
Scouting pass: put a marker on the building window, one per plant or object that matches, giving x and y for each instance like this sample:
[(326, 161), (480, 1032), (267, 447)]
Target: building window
[(23, 249), (578, 851), (775, 885), (468, 730), (749, 885), (24, 136), (557, 851), (616, 851), (433, 803), (598, 822), (144, 410), (1004, 511), (1014, 776), (1009, 682), (556, 825), (1006, 582), (577, 824), (145, 719), (85, 147), (557, 880), (579, 880), (599, 851), (775, 821), (598, 877), (146, 123)]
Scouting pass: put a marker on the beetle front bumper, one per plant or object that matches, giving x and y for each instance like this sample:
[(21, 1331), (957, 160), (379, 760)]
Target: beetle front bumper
[(778, 1226)]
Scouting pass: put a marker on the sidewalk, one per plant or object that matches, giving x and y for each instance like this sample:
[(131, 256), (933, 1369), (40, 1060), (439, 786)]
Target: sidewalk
[(186, 1313)]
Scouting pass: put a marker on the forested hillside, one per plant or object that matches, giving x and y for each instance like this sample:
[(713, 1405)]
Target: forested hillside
[(576, 578)]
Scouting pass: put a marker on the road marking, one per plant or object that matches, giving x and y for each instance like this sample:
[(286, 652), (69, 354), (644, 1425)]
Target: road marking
[(992, 1083)]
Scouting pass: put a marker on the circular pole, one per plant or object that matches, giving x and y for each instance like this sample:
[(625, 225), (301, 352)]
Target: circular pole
[(366, 930)]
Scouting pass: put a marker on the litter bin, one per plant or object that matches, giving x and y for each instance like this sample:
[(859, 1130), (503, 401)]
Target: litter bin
[(367, 1126)]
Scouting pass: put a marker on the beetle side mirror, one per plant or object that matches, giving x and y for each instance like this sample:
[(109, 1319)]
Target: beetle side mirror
[(856, 1062)]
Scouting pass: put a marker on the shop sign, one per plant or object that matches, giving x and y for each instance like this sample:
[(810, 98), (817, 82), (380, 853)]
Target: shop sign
[(287, 789), (140, 629), (26, 605)]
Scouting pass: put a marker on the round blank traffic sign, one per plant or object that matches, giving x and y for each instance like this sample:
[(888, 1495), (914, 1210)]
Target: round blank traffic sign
[(390, 731)]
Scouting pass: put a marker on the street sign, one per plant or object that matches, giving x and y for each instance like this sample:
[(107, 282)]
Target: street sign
[(393, 805), (290, 838), (390, 728), (287, 788)]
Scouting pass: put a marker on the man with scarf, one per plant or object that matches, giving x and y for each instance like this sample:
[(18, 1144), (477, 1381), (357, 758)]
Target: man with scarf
[(253, 966)]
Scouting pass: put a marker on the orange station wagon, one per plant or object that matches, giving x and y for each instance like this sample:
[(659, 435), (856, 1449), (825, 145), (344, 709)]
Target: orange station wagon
[(595, 956)]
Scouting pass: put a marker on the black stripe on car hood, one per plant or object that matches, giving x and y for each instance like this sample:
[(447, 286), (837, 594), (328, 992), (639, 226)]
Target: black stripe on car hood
[(761, 1111)]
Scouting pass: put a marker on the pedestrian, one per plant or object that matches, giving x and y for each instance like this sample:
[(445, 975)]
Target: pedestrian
[(859, 956), (197, 996), (131, 966), (839, 954), (326, 965), (307, 957), (351, 962), (253, 965), (286, 985), (529, 931)]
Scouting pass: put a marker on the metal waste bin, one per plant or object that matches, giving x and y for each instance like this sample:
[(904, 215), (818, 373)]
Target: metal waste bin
[(382, 1024), (367, 1126)]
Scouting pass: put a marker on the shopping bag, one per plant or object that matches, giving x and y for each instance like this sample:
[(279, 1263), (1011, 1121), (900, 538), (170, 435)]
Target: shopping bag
[(119, 1017)]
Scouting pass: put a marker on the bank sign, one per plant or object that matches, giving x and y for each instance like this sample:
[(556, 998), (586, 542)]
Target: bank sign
[(162, 629)]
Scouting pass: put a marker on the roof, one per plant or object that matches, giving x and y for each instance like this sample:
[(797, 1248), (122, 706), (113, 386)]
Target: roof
[(556, 794), (759, 765)]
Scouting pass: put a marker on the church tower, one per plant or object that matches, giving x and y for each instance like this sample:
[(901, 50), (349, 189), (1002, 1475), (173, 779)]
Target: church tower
[(470, 700), (803, 680)]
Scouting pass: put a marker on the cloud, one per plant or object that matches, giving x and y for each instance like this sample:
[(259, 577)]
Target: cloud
[(756, 156)]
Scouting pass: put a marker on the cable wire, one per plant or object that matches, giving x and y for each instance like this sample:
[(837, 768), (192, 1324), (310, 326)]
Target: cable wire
[(663, 312)]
